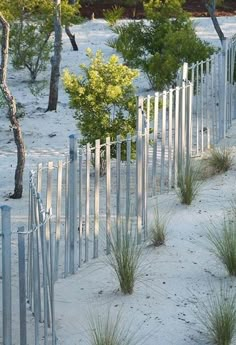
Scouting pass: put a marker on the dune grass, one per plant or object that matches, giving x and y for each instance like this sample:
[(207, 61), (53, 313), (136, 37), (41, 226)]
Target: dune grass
[(189, 183), (218, 316), (220, 160), (158, 229), (223, 242), (125, 259), (108, 330)]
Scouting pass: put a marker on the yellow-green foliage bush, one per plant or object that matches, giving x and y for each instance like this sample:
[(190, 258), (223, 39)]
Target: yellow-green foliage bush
[(104, 98)]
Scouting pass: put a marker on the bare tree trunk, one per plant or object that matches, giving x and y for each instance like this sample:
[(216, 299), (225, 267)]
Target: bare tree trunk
[(71, 37), (12, 111), (211, 7), (56, 59), (68, 32)]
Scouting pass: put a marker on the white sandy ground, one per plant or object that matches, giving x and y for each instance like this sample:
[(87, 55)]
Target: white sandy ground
[(176, 277)]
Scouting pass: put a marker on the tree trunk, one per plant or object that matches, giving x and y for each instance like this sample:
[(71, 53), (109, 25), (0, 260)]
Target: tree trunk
[(211, 7), (56, 59), (12, 111), (71, 37), (68, 32)]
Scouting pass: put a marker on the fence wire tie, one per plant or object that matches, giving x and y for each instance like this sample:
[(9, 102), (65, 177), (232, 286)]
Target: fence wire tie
[(35, 228)]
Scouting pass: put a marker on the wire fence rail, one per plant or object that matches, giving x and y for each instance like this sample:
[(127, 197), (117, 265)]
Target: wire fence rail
[(76, 205)]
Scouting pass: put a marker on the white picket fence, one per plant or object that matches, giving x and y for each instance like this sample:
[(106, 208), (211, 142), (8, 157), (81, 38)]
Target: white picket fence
[(75, 205)]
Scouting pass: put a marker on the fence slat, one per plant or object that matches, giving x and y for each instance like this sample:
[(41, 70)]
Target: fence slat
[(80, 208), (202, 105), (188, 127), (207, 104), (88, 158), (49, 193), (52, 279), (66, 258), (163, 140), (148, 138), (144, 190), (108, 195), (224, 85), (36, 215), (197, 106), (155, 133), (139, 168), (30, 245), (170, 139), (39, 177), (35, 289), (176, 155), (118, 167), (22, 285), (58, 217), (128, 161), (45, 269), (72, 202), (6, 275), (96, 197)]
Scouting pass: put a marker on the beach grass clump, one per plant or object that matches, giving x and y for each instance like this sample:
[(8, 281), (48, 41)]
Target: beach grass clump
[(189, 183), (158, 228), (125, 258), (218, 316), (223, 241), (108, 330), (220, 160)]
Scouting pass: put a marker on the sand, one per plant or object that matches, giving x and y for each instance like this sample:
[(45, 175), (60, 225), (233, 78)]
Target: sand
[(176, 277)]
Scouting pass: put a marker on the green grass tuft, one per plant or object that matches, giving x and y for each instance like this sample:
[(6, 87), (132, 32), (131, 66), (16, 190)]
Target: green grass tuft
[(223, 243), (158, 229), (125, 259), (188, 185), (218, 316), (109, 330), (220, 160)]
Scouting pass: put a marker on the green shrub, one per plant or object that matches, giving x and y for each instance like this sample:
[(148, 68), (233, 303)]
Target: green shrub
[(111, 16), (218, 316), (31, 27), (30, 48), (159, 47), (220, 160), (104, 99), (188, 185), (223, 241), (125, 259)]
